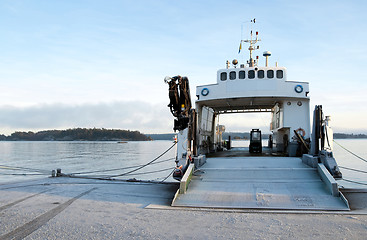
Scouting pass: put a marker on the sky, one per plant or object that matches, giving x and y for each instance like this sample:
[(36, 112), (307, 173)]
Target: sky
[(76, 63)]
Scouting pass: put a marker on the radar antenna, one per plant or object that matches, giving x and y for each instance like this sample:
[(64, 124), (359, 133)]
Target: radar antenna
[(252, 46)]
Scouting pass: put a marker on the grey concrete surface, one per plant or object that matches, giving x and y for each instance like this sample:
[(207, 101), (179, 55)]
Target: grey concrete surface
[(109, 210)]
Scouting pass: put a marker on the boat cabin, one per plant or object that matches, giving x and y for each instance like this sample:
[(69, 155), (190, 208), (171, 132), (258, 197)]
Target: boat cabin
[(247, 89)]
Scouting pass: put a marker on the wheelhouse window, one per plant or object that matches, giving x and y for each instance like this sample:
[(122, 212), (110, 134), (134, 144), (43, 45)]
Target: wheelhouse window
[(223, 76), (256, 136), (270, 74), (242, 74), (279, 73), (251, 74), (232, 75), (260, 74)]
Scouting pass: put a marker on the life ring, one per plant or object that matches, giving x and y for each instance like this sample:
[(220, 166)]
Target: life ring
[(298, 88), (301, 131), (205, 92)]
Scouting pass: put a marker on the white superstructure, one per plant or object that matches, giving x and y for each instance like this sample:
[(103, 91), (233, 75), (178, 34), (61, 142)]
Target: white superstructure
[(241, 88)]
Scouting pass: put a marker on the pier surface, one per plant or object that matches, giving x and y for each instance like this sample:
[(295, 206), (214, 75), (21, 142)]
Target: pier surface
[(64, 208)]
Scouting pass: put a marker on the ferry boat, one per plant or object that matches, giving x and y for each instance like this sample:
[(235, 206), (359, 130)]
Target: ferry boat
[(296, 170)]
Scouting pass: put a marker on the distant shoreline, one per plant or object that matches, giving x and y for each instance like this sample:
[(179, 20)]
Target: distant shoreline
[(102, 134), (78, 134)]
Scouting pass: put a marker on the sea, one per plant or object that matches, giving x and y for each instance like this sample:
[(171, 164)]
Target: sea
[(23, 160)]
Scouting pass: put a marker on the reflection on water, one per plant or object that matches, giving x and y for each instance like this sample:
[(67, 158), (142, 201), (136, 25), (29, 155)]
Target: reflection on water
[(74, 157)]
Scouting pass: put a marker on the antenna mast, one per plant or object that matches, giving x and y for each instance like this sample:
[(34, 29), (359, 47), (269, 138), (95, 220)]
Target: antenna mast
[(252, 46)]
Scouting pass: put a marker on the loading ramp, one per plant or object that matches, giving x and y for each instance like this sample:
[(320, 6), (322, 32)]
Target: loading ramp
[(259, 182)]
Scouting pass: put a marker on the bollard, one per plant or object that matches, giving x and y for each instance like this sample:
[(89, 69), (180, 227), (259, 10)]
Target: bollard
[(53, 173), (58, 172)]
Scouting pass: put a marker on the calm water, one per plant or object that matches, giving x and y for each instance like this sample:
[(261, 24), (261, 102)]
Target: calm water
[(74, 157)]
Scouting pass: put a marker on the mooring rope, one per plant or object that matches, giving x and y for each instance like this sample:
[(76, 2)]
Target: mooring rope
[(138, 167), (154, 171), (101, 177), (15, 168), (347, 180), (168, 175), (72, 175), (123, 168), (144, 165), (350, 152), (353, 169), (130, 174), (24, 174)]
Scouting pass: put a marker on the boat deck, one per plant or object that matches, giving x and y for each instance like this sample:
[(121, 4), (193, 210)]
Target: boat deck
[(258, 182)]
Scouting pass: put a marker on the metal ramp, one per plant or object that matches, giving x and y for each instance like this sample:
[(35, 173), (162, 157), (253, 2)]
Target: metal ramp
[(259, 183)]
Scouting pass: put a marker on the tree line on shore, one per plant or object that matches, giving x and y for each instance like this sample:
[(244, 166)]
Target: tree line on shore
[(346, 135), (77, 134), (102, 134)]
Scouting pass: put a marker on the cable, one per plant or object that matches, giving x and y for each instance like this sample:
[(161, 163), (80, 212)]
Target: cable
[(347, 180), (126, 181), (23, 174), (168, 175), (6, 167), (130, 174), (161, 170), (115, 181), (351, 152), (138, 167), (119, 175), (123, 168), (127, 173), (352, 169)]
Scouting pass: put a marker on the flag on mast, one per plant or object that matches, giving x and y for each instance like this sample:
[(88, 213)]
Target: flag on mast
[(239, 49)]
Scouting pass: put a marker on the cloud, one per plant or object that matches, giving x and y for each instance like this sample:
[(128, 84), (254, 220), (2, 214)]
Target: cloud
[(141, 116), (240, 122), (134, 115)]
